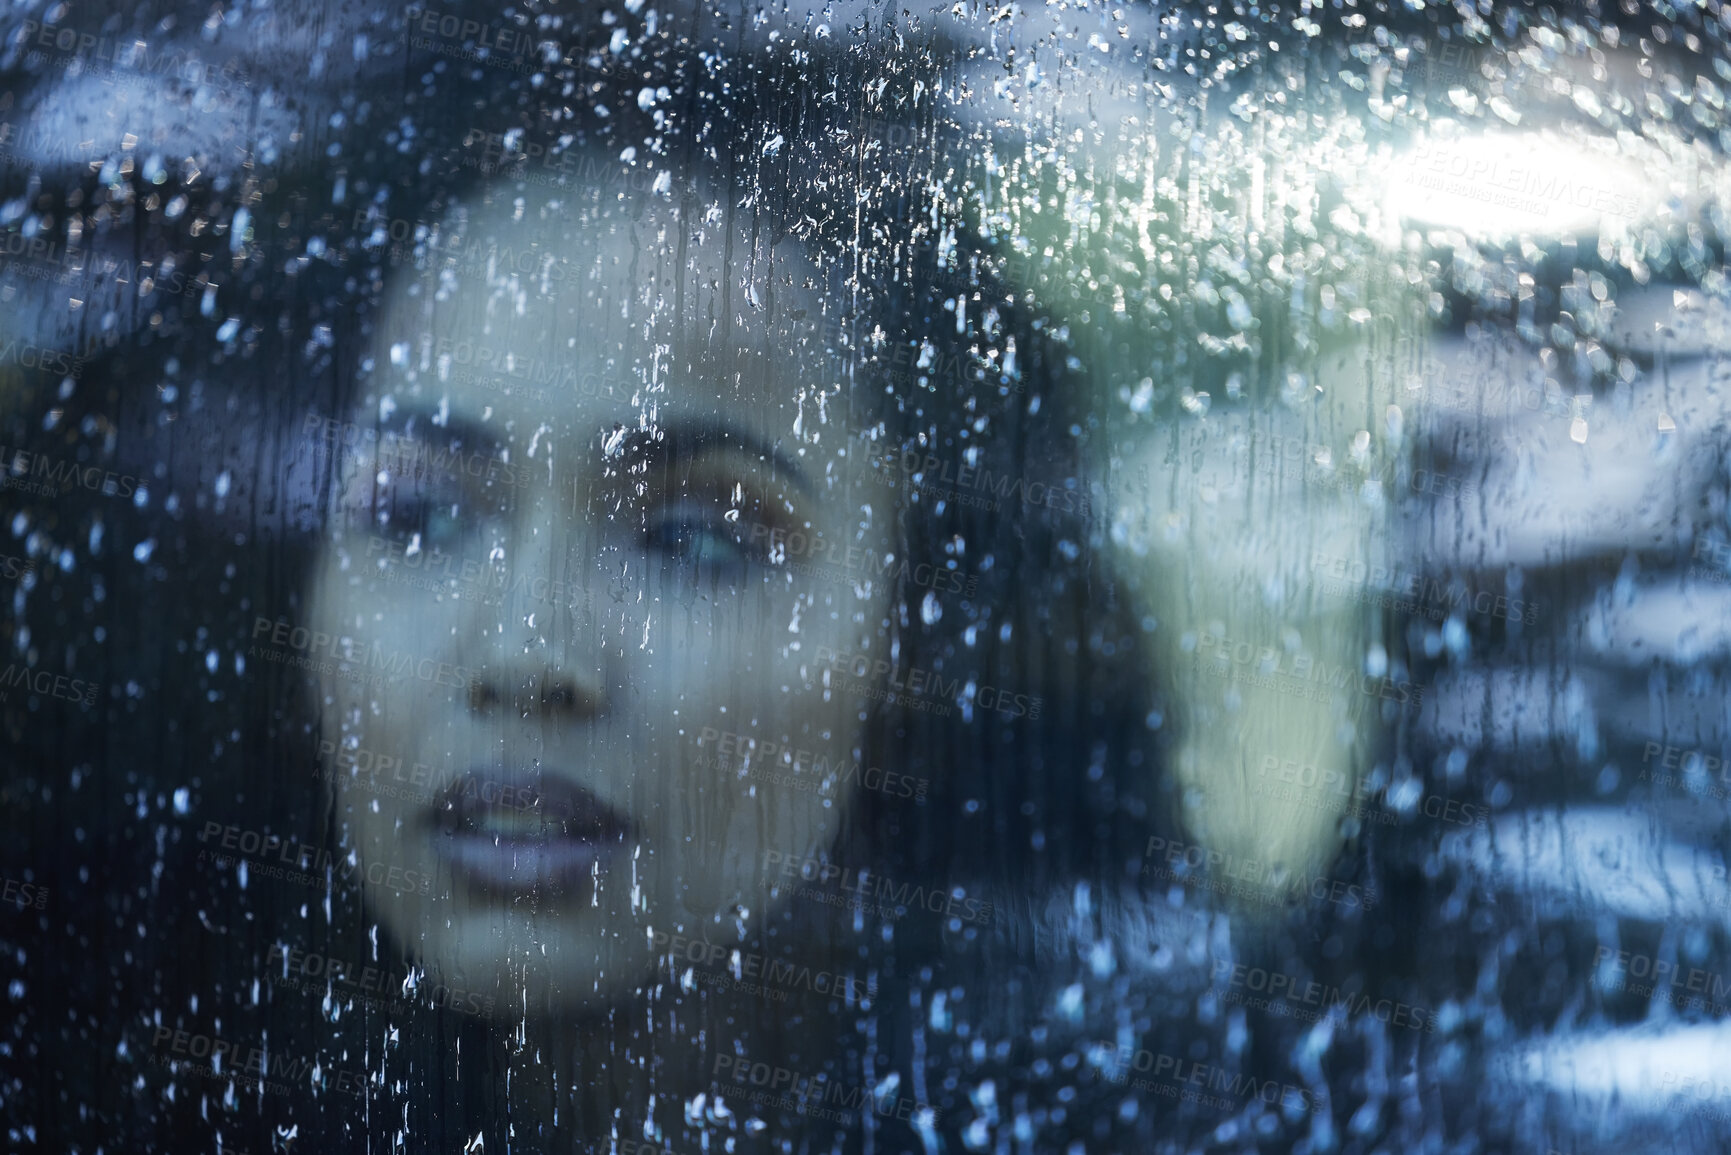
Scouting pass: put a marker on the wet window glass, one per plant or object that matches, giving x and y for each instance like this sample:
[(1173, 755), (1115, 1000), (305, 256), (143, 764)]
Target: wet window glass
[(671, 578)]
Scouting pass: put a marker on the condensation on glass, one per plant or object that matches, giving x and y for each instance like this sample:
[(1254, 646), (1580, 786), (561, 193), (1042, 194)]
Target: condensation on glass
[(851, 578)]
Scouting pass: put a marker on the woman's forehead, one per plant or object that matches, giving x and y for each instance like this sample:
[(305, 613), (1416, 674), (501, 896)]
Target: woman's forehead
[(591, 396), (624, 322), (645, 239)]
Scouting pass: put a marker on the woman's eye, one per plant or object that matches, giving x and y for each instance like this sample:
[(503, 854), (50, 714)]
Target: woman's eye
[(441, 526), (698, 538), (439, 518)]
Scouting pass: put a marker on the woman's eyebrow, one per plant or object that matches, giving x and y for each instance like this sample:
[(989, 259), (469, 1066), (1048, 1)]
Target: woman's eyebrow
[(418, 422), (689, 440)]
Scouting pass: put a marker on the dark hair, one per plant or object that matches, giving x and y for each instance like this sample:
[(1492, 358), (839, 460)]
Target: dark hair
[(1023, 809)]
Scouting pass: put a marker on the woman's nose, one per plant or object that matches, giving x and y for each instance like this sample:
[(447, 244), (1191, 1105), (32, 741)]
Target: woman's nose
[(540, 653)]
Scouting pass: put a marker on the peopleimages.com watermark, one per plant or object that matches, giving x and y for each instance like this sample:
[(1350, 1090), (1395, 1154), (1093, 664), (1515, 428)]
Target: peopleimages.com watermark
[(24, 895), (115, 57), (1534, 188), (410, 458), (39, 257), (919, 689), (28, 143), (273, 856), (1318, 467), (875, 893), (378, 987), (911, 362), (1290, 996), (1406, 591), (1705, 1090), (805, 770), (213, 1057), (1640, 974), (813, 556), (43, 359), (1334, 791), (749, 972), (46, 476), (47, 684), (1297, 784), (816, 1096), (1696, 770), (520, 50), (913, 688), (446, 245), (1450, 60), (563, 378), (519, 158), (1296, 673), (476, 579), (1191, 1081), (42, 259), (297, 646), (968, 485), (1718, 557), (388, 776), (1229, 875), (625, 1145), (497, 40)]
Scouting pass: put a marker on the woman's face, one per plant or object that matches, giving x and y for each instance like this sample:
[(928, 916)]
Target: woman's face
[(598, 543)]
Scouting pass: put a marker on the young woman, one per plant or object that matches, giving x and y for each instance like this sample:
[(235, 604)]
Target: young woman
[(718, 737), (632, 694), (768, 736), (665, 616)]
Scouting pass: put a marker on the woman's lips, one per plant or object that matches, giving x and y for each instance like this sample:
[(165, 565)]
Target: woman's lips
[(523, 833)]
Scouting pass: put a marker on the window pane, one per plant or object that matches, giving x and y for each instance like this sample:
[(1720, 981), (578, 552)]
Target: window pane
[(834, 578)]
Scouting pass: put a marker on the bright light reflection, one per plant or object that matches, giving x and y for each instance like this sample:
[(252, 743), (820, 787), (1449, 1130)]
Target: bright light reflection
[(1498, 186)]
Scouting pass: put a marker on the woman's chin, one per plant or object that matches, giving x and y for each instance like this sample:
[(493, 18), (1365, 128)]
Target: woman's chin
[(526, 964)]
